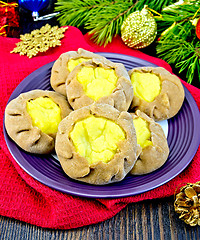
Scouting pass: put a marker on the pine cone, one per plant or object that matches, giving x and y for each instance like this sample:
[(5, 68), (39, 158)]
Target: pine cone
[(187, 203)]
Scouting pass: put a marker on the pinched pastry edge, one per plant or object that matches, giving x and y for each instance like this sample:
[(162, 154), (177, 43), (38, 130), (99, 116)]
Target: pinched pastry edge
[(100, 173), (168, 102), (153, 156), (60, 72), (120, 98), (19, 125)]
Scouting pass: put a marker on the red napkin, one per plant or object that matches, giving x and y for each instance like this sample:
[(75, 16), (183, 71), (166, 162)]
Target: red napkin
[(26, 199)]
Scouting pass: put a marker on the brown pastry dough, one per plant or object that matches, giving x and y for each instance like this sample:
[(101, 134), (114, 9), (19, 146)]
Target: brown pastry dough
[(19, 124), (60, 72), (170, 99), (77, 166), (120, 97), (153, 156)]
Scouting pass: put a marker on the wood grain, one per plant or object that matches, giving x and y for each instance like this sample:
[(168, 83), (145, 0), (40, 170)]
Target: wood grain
[(146, 220)]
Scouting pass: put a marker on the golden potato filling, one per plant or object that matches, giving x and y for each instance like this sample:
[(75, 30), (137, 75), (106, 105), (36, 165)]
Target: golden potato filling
[(45, 114), (142, 132), (96, 138), (97, 82), (74, 62), (146, 86)]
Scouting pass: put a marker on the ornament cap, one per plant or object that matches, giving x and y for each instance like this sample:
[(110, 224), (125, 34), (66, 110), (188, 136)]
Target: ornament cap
[(145, 10), (35, 15)]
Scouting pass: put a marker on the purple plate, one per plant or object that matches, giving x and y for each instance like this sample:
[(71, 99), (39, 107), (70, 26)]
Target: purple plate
[(183, 139)]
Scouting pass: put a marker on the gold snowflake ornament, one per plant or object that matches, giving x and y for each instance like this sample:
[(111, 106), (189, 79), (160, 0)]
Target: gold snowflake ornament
[(39, 40)]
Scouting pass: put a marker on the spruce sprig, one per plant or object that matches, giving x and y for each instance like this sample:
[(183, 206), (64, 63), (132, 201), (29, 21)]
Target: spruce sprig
[(78, 12), (185, 55), (104, 26), (107, 24), (178, 44), (102, 18)]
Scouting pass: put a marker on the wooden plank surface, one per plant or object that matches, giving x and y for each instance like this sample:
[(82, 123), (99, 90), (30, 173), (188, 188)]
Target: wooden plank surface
[(153, 219)]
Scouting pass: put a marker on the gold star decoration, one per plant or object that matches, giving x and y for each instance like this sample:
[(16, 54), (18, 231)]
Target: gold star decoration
[(39, 40)]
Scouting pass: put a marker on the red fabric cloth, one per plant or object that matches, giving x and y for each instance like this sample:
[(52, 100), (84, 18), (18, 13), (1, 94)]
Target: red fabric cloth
[(26, 199)]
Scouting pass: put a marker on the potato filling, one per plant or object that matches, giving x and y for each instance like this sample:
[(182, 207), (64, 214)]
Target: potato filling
[(96, 138), (146, 86), (45, 114), (142, 132), (74, 62), (97, 82)]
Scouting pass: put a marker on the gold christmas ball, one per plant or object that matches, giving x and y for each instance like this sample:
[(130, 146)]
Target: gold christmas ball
[(139, 29)]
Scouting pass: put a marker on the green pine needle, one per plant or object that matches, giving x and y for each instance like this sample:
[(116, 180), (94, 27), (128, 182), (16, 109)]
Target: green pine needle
[(183, 54), (106, 25), (77, 12), (179, 44), (103, 19)]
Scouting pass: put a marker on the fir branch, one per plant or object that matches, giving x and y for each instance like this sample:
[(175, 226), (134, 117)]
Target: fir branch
[(177, 14), (176, 50), (154, 4), (102, 17), (178, 44), (181, 13), (78, 12), (108, 24)]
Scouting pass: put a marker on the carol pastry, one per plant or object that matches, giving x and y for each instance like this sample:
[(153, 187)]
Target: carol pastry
[(153, 148), (32, 119), (96, 144), (65, 64), (157, 92), (101, 82)]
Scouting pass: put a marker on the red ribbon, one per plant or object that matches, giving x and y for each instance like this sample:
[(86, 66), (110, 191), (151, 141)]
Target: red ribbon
[(3, 31), (8, 16), (5, 4)]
